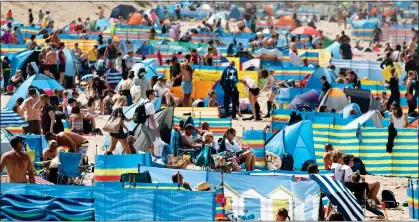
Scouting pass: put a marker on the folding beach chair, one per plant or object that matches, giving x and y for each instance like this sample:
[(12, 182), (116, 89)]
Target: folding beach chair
[(69, 169), (360, 191), (41, 167)]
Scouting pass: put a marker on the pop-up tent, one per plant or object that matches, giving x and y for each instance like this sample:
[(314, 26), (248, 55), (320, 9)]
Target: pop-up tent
[(334, 49), (347, 110), (373, 115), (314, 80), (334, 99), (39, 81), (297, 140), (21, 60), (309, 98), (235, 13)]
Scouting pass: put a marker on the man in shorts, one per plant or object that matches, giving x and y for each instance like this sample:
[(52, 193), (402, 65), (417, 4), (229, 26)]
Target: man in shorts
[(61, 64), (186, 71), (150, 127), (32, 117), (51, 62)]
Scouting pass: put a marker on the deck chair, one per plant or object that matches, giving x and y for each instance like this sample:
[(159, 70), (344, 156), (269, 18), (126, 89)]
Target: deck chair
[(69, 168), (360, 191), (177, 141), (129, 180), (41, 167)]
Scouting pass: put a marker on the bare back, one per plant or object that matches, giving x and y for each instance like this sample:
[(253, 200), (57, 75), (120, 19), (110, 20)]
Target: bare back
[(17, 164), (186, 70), (28, 111), (51, 58), (77, 139), (327, 159)]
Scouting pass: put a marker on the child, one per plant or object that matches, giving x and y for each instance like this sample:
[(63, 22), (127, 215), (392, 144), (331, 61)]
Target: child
[(65, 99)]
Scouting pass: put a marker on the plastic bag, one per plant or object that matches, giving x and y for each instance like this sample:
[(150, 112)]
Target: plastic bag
[(158, 147)]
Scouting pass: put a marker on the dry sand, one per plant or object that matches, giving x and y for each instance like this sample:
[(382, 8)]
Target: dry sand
[(65, 12)]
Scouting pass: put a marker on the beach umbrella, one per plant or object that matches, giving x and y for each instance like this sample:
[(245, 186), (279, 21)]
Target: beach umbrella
[(305, 30), (122, 10), (10, 118), (341, 197)]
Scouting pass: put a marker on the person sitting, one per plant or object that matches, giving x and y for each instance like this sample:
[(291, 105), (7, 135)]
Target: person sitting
[(17, 162), (313, 169), (178, 179), (187, 141), (15, 82), (241, 155), (76, 121), (163, 90), (51, 152), (212, 102)]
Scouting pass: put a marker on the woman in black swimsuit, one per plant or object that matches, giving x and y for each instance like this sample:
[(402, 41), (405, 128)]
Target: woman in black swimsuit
[(253, 96)]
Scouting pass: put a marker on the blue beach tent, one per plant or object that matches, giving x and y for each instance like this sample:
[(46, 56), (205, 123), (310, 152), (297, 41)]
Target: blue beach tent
[(314, 81), (297, 140)]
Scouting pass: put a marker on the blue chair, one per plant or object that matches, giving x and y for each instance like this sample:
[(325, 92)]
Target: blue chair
[(69, 168)]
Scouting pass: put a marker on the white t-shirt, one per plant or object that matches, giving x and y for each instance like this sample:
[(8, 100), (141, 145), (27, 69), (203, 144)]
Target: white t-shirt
[(396, 56), (348, 173), (149, 110), (232, 147), (338, 171), (160, 90), (128, 61)]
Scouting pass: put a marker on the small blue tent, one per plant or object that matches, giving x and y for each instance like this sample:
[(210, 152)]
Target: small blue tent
[(18, 60), (334, 49), (102, 24), (296, 140), (71, 62), (347, 110), (160, 12), (145, 49), (314, 81), (39, 81), (235, 13), (219, 92)]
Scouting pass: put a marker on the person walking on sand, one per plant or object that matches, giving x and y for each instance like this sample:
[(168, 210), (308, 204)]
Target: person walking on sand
[(32, 116), (17, 162), (186, 74), (100, 12)]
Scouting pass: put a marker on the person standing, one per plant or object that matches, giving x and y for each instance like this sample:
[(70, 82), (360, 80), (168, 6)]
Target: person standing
[(121, 136), (125, 88), (411, 85), (293, 51), (110, 54), (187, 86), (394, 88), (270, 83), (127, 63), (177, 11), (150, 127), (43, 105), (92, 56), (228, 82), (30, 19), (356, 83), (61, 64), (100, 12), (346, 50), (32, 116), (174, 72), (40, 16), (5, 65), (325, 87), (253, 91), (376, 34), (396, 55), (17, 162), (51, 63)]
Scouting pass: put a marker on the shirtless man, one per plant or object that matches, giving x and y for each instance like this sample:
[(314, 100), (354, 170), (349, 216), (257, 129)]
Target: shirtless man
[(72, 140), (32, 116), (186, 73), (327, 158), (17, 163), (51, 63), (186, 140), (77, 51)]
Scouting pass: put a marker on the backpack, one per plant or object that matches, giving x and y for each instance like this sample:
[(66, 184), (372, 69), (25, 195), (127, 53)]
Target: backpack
[(287, 162), (140, 115), (306, 164), (359, 166), (389, 199)]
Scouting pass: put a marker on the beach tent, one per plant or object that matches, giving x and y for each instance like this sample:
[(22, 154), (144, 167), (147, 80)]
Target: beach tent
[(219, 92), (39, 81), (145, 49), (150, 68), (309, 98), (135, 19), (218, 16), (373, 115), (100, 24), (364, 98), (276, 53), (164, 119), (334, 49), (235, 13), (347, 109), (297, 140), (334, 99), (21, 60), (160, 11), (286, 21), (71, 63), (122, 10), (314, 80)]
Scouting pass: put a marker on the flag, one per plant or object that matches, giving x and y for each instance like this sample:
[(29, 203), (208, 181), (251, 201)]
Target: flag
[(220, 202)]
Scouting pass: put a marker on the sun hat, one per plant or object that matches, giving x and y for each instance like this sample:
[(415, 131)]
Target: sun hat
[(202, 186)]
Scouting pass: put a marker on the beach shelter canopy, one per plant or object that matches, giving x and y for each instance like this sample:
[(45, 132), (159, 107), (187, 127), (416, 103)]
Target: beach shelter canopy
[(334, 99), (10, 118), (297, 140), (347, 110), (218, 16), (309, 98), (340, 196), (164, 119), (21, 59), (38, 81), (135, 19), (70, 62), (235, 13), (305, 30), (5, 144), (122, 10), (334, 49), (160, 11), (286, 21), (373, 115), (100, 24), (315, 83)]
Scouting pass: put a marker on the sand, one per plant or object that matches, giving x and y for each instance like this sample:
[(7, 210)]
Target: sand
[(65, 12)]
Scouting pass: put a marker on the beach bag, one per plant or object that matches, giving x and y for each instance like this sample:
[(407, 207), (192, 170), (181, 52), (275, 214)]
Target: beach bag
[(287, 162), (140, 115), (113, 124), (359, 166), (389, 199), (306, 164)]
